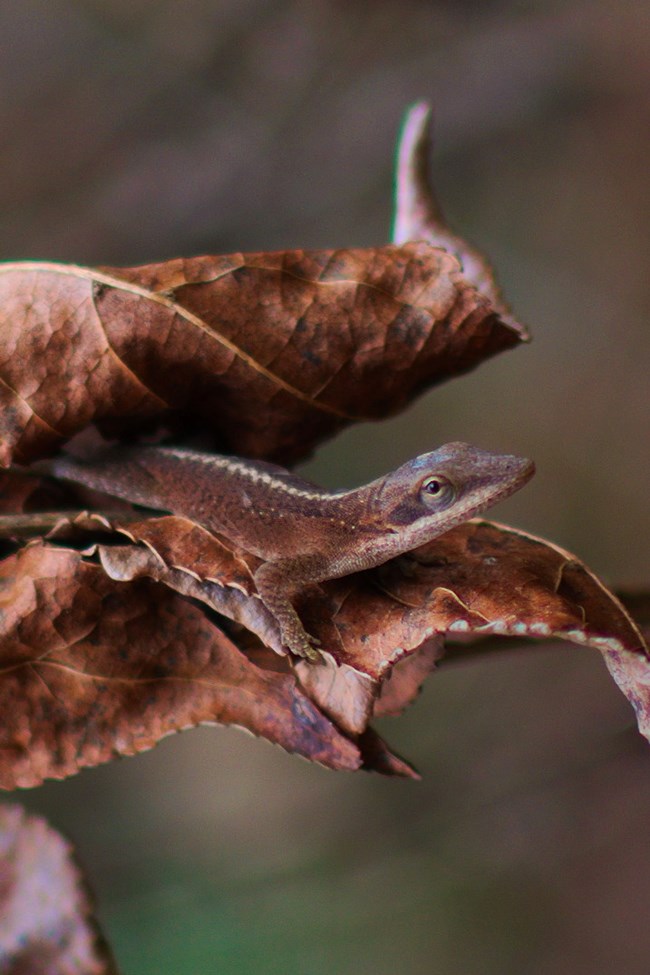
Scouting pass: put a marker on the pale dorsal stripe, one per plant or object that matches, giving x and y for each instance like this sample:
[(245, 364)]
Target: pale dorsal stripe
[(253, 473)]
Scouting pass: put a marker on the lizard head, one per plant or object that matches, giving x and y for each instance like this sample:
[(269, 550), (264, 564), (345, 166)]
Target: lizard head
[(436, 491)]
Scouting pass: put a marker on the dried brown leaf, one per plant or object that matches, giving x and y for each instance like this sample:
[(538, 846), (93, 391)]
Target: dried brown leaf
[(184, 544), (268, 353), (194, 562), (382, 630), (478, 578), (378, 758), (46, 921), (484, 578), (90, 668), (418, 214)]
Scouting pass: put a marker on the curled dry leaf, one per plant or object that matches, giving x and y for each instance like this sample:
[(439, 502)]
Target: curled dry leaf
[(268, 353), (90, 668), (46, 920), (630, 670), (418, 215), (383, 629), (544, 592), (213, 571), (485, 578), (477, 579)]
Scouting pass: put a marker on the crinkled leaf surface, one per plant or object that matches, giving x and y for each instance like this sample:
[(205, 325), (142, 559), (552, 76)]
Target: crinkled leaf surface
[(91, 668), (477, 579), (382, 630), (46, 921), (268, 353)]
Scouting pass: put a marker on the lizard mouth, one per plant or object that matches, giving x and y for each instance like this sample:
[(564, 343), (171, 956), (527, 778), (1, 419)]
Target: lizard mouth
[(518, 472), (486, 492)]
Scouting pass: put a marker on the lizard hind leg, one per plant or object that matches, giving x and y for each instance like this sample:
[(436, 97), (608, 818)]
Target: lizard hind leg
[(275, 586)]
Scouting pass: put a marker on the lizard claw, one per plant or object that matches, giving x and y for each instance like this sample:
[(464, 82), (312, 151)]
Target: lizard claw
[(307, 648)]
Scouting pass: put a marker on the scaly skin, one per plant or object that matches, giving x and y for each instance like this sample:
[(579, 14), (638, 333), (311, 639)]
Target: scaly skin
[(303, 533)]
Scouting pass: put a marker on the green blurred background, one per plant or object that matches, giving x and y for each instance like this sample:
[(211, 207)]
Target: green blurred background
[(136, 130)]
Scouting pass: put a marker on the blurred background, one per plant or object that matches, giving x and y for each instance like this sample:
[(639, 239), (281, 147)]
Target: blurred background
[(136, 130)]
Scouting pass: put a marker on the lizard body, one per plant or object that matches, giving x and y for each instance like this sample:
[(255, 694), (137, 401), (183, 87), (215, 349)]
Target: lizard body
[(304, 533)]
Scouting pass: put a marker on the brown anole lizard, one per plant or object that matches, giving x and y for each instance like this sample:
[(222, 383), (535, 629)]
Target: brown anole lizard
[(304, 533)]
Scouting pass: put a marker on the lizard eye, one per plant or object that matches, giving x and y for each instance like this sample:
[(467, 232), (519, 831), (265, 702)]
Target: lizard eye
[(436, 491)]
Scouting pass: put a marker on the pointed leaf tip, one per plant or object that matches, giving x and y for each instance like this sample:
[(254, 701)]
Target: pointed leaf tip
[(418, 215)]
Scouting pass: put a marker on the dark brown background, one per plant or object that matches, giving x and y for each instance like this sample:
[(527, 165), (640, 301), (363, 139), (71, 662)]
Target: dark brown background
[(134, 131)]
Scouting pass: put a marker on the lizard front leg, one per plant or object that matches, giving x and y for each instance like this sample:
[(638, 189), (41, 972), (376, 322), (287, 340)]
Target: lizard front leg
[(277, 582)]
